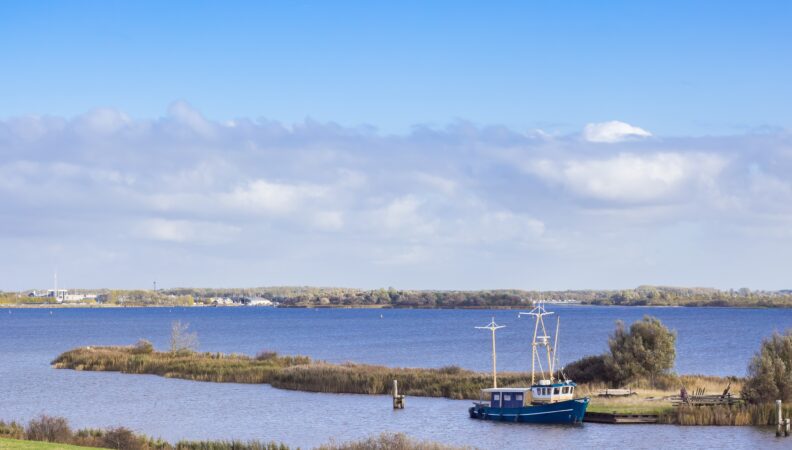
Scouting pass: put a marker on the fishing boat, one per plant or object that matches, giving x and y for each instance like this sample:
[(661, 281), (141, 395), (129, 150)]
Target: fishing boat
[(550, 399)]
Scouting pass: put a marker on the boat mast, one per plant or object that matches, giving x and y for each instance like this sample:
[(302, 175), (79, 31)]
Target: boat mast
[(539, 312), (555, 348), (492, 326)]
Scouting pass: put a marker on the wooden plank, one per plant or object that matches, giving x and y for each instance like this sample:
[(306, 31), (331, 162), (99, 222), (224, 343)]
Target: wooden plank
[(614, 418)]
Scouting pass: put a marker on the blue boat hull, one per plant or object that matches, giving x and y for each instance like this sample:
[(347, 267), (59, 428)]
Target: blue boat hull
[(569, 411)]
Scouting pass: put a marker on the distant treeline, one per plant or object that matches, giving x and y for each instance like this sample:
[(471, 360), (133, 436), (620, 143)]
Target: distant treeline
[(507, 298), (397, 298)]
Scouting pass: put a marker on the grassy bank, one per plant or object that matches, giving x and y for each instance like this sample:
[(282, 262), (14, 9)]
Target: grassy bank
[(305, 374), (51, 433), (16, 444), (285, 372)]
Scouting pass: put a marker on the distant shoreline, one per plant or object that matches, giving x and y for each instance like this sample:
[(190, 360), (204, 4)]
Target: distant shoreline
[(371, 307)]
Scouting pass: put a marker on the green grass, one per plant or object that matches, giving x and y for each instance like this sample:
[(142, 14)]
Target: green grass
[(13, 444)]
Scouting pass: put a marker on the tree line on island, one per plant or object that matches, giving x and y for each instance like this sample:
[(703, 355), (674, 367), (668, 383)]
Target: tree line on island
[(398, 298)]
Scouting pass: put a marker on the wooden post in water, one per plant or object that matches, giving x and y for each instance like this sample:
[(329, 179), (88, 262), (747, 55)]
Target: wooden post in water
[(398, 400), (780, 421)]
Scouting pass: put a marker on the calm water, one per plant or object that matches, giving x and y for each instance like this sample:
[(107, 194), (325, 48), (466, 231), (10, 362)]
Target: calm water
[(710, 341)]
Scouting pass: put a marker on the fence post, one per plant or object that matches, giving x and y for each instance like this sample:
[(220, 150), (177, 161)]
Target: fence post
[(780, 421), (398, 400)]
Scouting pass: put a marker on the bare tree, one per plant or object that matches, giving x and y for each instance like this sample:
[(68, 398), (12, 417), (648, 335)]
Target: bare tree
[(181, 339)]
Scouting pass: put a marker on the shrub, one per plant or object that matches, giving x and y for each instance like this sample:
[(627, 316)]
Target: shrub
[(266, 355), (143, 347), (770, 371), (12, 430), (388, 441), (50, 429), (647, 350), (181, 339), (122, 439), (590, 369), (229, 445), (450, 370)]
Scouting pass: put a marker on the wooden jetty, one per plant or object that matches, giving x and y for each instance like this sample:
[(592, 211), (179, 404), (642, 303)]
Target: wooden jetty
[(616, 392), (618, 418), (699, 398)]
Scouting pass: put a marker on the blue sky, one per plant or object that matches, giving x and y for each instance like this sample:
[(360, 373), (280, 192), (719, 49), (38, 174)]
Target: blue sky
[(681, 67), (414, 144)]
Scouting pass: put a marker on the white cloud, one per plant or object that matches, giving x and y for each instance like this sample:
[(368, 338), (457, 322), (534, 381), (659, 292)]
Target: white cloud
[(101, 122), (326, 196), (186, 115), (631, 178), (613, 131), (402, 215), (185, 231), (267, 197)]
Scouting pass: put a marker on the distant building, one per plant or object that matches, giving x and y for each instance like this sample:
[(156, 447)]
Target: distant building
[(259, 301), (58, 294)]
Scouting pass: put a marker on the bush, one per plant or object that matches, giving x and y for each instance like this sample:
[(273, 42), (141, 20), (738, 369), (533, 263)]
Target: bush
[(122, 439), (50, 429), (590, 369), (647, 350), (182, 340), (229, 445), (770, 371), (450, 370), (388, 441), (12, 430), (266, 355), (143, 347)]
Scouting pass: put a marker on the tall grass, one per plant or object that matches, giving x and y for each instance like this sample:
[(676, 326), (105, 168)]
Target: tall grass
[(57, 430), (303, 373), (743, 414), (286, 372), (389, 441)]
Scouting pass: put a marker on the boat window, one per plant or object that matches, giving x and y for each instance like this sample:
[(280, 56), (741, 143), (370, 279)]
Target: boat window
[(518, 397), (506, 397), (556, 391), (546, 391), (496, 397)]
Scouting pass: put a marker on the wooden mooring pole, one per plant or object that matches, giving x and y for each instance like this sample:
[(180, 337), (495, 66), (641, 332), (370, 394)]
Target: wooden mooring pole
[(398, 400), (783, 425)]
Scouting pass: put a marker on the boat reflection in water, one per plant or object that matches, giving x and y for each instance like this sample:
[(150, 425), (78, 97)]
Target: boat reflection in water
[(548, 400)]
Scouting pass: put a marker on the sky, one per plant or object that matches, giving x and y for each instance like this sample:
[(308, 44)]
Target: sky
[(418, 145)]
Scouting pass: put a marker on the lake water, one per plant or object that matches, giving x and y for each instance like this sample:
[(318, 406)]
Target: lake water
[(716, 341)]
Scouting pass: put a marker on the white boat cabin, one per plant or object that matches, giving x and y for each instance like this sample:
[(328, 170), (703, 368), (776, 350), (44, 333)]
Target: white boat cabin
[(547, 392)]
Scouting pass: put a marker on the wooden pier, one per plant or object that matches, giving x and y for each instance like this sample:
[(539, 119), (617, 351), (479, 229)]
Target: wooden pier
[(617, 418)]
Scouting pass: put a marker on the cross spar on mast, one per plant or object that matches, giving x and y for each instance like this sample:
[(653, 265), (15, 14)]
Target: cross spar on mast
[(493, 326), (539, 312)]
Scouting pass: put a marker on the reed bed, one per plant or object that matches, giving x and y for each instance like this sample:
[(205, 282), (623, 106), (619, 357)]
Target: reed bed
[(56, 430), (743, 414), (286, 372), (304, 374)]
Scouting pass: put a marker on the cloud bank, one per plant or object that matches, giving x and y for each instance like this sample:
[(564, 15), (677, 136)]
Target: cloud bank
[(184, 200), (613, 131)]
